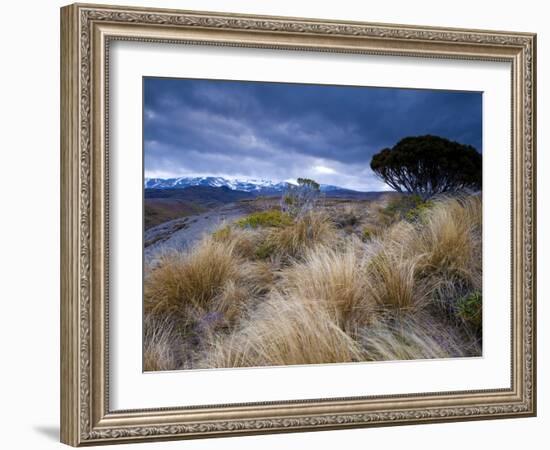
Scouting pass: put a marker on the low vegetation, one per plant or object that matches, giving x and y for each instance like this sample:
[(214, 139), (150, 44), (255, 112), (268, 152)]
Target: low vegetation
[(389, 279)]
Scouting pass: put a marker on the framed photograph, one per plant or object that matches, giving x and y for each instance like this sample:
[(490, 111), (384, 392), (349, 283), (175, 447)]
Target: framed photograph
[(275, 224)]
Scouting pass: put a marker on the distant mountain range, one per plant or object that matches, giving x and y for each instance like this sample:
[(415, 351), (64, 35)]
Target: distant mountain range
[(254, 187)]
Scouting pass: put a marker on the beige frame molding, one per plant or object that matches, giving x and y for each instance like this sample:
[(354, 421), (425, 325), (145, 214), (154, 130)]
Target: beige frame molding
[(86, 31)]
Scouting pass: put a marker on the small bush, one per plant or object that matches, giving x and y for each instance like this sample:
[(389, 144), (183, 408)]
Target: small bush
[(271, 218), (469, 309), (301, 198)]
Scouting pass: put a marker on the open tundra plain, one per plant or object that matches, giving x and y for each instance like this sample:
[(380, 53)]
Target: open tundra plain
[(239, 281)]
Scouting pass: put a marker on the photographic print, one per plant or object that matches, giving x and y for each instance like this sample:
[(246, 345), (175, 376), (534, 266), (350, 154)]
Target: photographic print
[(309, 224), (318, 206)]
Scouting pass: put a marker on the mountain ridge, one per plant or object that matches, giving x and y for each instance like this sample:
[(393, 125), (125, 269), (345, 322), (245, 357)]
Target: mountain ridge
[(255, 186)]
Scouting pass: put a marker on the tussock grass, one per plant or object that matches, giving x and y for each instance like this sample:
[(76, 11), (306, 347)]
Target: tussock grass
[(450, 240), (450, 245), (191, 279), (332, 278), (349, 215), (311, 291), (243, 243), (413, 337), (160, 340), (284, 332), (210, 271), (311, 229), (390, 276)]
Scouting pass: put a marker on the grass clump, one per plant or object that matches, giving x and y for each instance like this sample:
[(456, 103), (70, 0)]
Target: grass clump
[(391, 279), (307, 231), (270, 218), (449, 243), (242, 242), (412, 337), (333, 280), (192, 279), (283, 331), (349, 216), (159, 342)]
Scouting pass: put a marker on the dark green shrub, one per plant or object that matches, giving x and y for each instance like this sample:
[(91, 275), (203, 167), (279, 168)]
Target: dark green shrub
[(429, 165), (469, 309)]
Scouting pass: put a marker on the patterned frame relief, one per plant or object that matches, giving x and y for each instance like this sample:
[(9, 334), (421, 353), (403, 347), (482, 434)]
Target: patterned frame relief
[(86, 16)]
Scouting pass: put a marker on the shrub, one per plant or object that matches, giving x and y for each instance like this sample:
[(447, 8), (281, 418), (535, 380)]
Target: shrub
[(270, 218), (301, 198), (469, 309), (428, 166)]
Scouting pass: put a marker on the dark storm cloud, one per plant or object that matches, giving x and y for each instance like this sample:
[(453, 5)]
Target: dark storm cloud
[(281, 131)]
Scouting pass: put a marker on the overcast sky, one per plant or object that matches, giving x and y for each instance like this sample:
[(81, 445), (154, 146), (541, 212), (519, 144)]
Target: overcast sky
[(281, 131)]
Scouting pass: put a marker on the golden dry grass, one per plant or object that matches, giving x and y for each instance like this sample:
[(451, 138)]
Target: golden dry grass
[(333, 279), (310, 230), (243, 243), (284, 332), (391, 278), (310, 293), (450, 239), (191, 279), (409, 337), (160, 340)]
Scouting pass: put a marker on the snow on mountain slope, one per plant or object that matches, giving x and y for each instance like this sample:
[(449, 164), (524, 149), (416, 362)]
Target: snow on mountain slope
[(256, 186)]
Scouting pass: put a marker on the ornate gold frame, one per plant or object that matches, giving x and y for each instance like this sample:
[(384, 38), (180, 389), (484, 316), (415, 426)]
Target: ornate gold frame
[(86, 31)]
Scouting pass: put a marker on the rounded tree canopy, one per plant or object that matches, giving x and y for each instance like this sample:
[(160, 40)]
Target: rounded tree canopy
[(429, 165)]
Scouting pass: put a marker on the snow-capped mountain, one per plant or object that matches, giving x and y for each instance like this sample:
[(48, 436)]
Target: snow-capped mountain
[(236, 185), (253, 186)]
